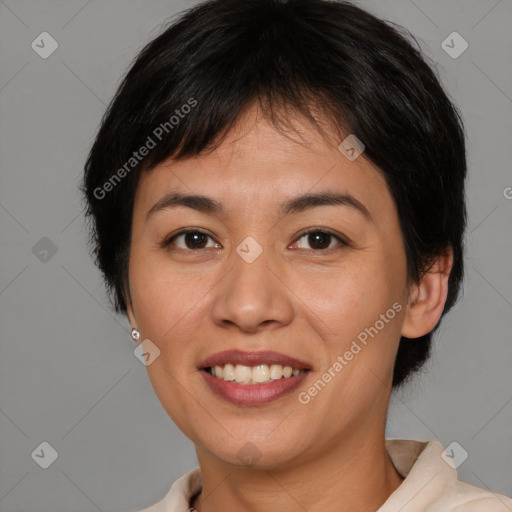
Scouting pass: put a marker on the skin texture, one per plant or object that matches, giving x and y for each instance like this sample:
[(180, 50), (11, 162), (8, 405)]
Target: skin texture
[(328, 454)]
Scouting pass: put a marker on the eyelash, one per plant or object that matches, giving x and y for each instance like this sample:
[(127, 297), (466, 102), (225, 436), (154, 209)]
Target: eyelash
[(342, 243)]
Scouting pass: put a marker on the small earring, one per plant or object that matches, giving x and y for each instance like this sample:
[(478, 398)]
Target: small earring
[(135, 335)]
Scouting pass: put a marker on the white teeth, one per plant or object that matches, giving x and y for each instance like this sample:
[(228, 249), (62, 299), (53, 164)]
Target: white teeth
[(260, 373), (276, 371), (253, 375), (242, 373), (229, 372)]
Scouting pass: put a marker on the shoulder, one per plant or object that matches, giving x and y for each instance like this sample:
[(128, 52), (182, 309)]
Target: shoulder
[(431, 482), (463, 497), (179, 495)]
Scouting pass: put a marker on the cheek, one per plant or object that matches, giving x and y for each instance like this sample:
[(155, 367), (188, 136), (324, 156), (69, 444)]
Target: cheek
[(162, 294), (354, 313), (166, 304), (342, 301)]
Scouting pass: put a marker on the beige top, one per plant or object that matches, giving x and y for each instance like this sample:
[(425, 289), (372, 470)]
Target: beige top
[(430, 485)]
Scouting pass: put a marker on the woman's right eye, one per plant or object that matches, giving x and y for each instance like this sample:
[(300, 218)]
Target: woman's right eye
[(192, 239)]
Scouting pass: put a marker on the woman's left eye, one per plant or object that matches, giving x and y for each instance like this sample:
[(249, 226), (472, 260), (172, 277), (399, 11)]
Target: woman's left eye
[(321, 240)]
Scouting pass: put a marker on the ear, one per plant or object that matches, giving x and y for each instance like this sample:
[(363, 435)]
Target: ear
[(129, 307), (427, 298), (130, 315)]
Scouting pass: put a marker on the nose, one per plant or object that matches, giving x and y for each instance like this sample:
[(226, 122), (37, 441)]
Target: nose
[(252, 296)]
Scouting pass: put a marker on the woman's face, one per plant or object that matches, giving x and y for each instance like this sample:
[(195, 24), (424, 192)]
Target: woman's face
[(257, 283)]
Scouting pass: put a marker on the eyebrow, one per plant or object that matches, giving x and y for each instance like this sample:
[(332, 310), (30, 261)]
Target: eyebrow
[(295, 205)]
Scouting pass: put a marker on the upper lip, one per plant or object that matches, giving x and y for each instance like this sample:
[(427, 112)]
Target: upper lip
[(253, 359)]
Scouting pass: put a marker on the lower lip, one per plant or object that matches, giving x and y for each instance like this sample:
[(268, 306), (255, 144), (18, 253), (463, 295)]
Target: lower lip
[(252, 394)]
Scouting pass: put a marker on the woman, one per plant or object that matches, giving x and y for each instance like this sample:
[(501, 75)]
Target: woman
[(277, 205)]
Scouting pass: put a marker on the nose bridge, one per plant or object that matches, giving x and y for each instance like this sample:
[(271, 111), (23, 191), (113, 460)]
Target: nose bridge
[(250, 294)]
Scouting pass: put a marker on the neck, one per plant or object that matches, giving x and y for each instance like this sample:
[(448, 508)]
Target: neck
[(354, 475)]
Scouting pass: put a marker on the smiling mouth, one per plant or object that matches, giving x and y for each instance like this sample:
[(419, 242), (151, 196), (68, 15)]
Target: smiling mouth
[(258, 374)]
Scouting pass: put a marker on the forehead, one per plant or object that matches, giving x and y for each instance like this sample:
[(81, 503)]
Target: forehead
[(257, 164)]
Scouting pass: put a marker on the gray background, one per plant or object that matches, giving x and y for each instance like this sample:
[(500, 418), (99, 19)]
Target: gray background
[(68, 375)]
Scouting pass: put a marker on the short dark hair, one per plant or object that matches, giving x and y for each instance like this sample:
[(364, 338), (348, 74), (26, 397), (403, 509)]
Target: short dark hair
[(365, 76)]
